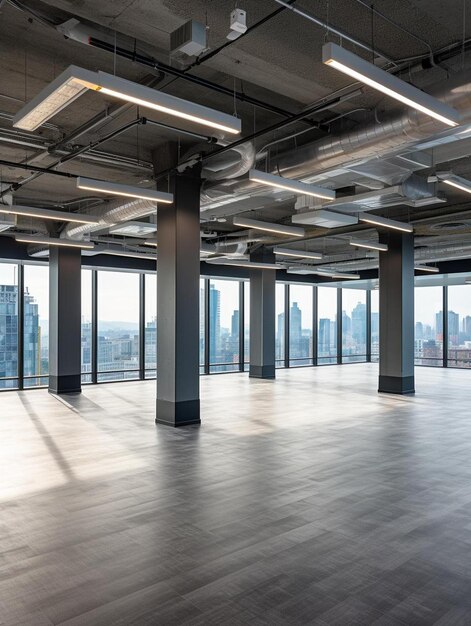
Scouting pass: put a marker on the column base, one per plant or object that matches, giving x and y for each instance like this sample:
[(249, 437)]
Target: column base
[(262, 371), (396, 384), (65, 384), (178, 414)]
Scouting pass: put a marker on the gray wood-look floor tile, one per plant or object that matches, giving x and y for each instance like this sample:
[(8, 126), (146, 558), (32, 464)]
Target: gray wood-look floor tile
[(306, 500)]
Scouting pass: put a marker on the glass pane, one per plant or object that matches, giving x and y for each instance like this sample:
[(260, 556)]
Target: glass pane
[(459, 326), (202, 331), (150, 323), (8, 325), (280, 324), (224, 325), (375, 325), (429, 326), (86, 325), (353, 325), (246, 325), (36, 325), (118, 325), (327, 325), (300, 324)]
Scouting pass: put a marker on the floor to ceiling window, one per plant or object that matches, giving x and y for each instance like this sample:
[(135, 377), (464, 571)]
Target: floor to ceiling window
[(118, 326), (300, 324), (428, 344), (8, 326), (224, 311), (375, 325), (353, 325), (86, 327), (246, 325), (327, 325), (280, 325), (150, 330), (459, 326), (36, 325), (202, 339)]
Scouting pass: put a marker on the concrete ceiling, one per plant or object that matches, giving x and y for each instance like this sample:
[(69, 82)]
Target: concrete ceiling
[(278, 63)]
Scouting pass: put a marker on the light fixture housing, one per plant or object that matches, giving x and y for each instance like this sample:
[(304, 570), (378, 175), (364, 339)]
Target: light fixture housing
[(384, 222), (288, 184), (116, 189), (334, 274), (128, 253), (367, 73), (369, 245), (301, 254), (49, 214), (278, 229), (426, 268), (458, 182), (74, 81), (51, 241), (62, 91), (467, 281), (151, 242), (242, 263)]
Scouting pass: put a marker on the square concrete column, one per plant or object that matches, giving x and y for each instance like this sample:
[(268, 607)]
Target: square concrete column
[(178, 272), (396, 313), (262, 317), (65, 310)]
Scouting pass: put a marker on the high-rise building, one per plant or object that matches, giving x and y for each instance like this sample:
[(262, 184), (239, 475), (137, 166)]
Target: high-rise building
[(280, 337), (359, 326), (214, 324), (324, 336), (295, 331), (8, 333), (453, 328)]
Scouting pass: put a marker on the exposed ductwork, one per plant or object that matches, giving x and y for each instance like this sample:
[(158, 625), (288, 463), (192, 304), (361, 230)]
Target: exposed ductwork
[(112, 213)]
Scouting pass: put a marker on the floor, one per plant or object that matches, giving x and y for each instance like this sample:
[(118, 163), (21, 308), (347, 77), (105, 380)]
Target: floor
[(306, 500)]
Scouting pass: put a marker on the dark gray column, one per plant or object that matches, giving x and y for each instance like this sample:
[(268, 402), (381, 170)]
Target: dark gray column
[(396, 313), (65, 307), (178, 238), (262, 317)]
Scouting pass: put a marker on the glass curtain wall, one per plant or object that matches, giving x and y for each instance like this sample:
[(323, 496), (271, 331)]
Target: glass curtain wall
[(202, 324), (118, 326), (375, 325), (353, 325), (300, 325), (224, 311), (36, 325), (327, 325), (150, 330), (428, 344), (280, 325), (459, 326), (86, 327), (246, 325), (8, 326)]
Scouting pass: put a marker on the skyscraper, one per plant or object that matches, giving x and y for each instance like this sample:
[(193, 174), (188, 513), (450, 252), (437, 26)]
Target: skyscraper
[(359, 325), (214, 324), (295, 331), (324, 337)]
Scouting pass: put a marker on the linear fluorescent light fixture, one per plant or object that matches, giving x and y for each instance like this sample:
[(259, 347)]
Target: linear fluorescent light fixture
[(467, 281), (301, 254), (116, 189), (456, 181), (67, 87), (427, 268), (74, 81), (49, 214), (295, 186), (384, 222), (333, 274), (242, 263), (50, 241), (279, 229), (369, 245), (129, 253), (387, 83), (150, 242)]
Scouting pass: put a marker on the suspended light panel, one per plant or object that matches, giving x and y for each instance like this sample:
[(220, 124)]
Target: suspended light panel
[(242, 263), (456, 181), (116, 189), (384, 222), (279, 229), (426, 268), (49, 214), (367, 73), (301, 254), (333, 274), (50, 241), (74, 81), (369, 245), (287, 184), (150, 242)]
